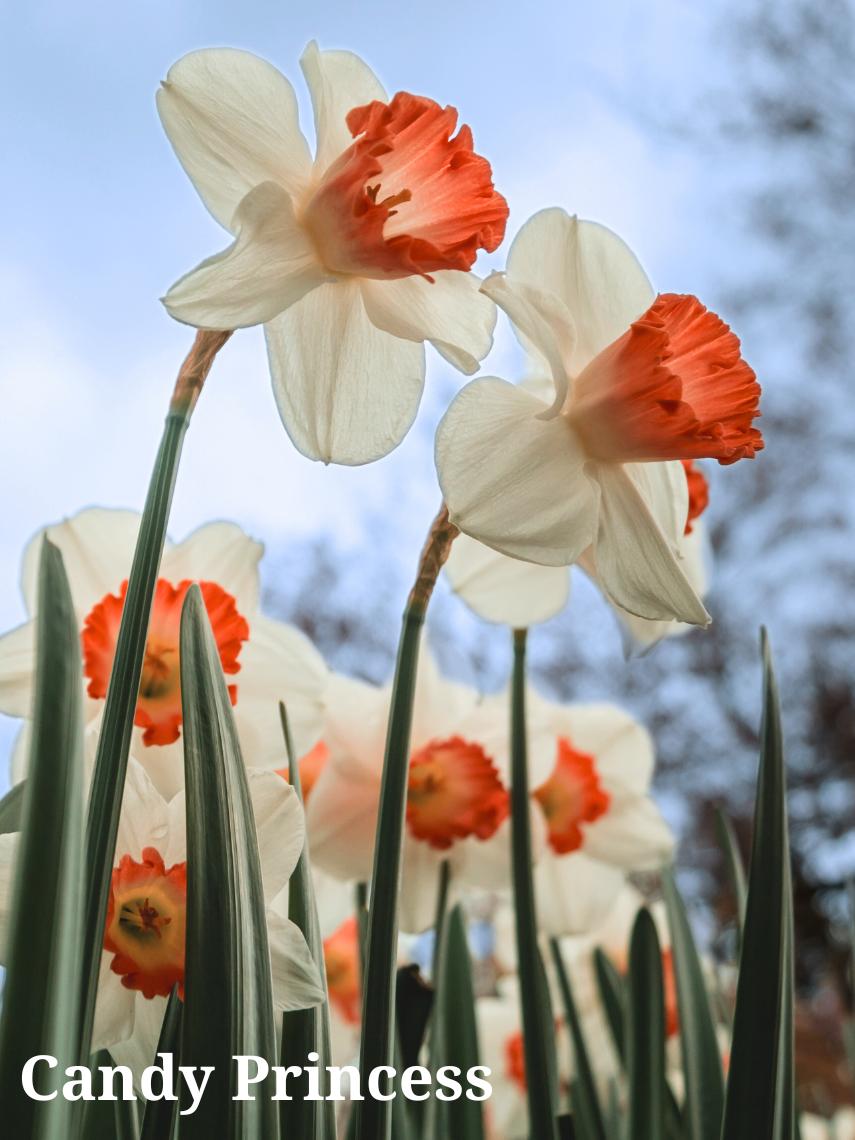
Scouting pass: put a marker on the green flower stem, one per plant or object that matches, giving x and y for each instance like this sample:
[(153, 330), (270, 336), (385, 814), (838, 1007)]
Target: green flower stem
[(374, 1116), (538, 1064), (114, 741)]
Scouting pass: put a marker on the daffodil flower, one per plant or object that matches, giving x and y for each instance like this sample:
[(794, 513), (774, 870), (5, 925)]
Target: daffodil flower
[(600, 820), (507, 591), (265, 660), (351, 260), (143, 950), (457, 800), (638, 383)]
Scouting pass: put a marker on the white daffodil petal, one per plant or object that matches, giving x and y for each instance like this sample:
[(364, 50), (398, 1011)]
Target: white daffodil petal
[(279, 825), (544, 321), (341, 820), (591, 269), (449, 311), (637, 839), (440, 705), (635, 564), (505, 590), (137, 1051), (347, 392), (97, 546), (278, 663), (17, 669), (338, 81), (269, 267), (114, 1008), (485, 864), (20, 758), (218, 552), (296, 981), (511, 480), (144, 821), (420, 879), (574, 892), (355, 720), (665, 490), (8, 848), (232, 119)]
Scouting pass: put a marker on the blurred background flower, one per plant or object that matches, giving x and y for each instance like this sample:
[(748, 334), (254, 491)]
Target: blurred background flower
[(717, 141)]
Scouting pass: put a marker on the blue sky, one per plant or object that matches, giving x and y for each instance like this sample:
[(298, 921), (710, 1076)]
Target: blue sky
[(99, 220)]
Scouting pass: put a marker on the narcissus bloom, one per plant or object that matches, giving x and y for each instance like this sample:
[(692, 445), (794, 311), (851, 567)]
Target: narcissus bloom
[(143, 955), (266, 660), (520, 594), (457, 802), (351, 260), (600, 821), (638, 383)]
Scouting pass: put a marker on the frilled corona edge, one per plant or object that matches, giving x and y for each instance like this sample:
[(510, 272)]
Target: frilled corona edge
[(194, 371), (434, 556)]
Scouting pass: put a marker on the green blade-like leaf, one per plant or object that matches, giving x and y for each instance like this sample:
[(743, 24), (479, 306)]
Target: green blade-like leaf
[(457, 1034), (305, 1031), (786, 1108), (752, 1079), (114, 740), (539, 1065), (735, 868), (702, 1071), (159, 1114), (41, 1008), (586, 1100), (373, 1117), (612, 995), (645, 1032), (228, 993), (11, 809)]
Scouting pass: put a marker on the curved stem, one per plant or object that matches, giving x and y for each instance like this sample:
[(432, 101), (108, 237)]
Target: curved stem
[(374, 1116)]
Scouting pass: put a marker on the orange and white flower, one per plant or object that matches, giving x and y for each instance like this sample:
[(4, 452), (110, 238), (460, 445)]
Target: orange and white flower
[(507, 591), (143, 954), (600, 820), (457, 803), (266, 660), (351, 260), (638, 383)]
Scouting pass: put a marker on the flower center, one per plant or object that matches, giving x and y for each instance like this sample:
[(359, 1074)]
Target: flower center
[(145, 927), (311, 766), (673, 387), (570, 797), (406, 198), (341, 957), (699, 492), (454, 791), (159, 700)]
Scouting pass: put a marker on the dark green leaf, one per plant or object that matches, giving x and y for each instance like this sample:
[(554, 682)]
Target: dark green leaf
[(305, 1031), (702, 1072), (539, 1065), (583, 1091), (786, 1110), (114, 740), (457, 1033), (645, 1032), (159, 1114), (11, 809), (753, 1074), (41, 1009), (735, 867), (612, 995), (228, 998), (373, 1116)]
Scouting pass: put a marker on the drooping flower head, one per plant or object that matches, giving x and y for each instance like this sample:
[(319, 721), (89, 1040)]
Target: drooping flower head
[(636, 384), (351, 261)]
